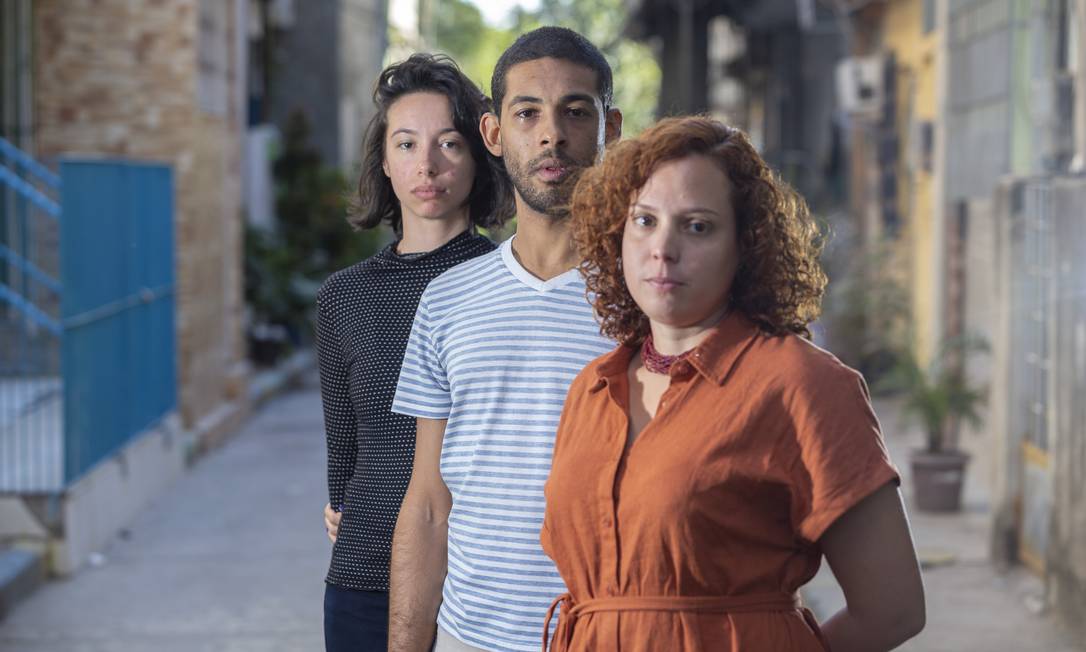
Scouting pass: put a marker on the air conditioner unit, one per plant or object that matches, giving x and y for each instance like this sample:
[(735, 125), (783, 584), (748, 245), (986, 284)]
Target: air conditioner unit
[(861, 84)]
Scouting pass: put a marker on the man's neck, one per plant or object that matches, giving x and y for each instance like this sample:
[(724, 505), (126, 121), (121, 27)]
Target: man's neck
[(543, 245), (421, 235)]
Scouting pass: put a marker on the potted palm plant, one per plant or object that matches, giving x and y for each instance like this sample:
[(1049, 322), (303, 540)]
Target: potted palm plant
[(940, 397)]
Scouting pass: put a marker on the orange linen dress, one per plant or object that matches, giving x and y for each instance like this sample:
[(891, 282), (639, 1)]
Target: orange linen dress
[(697, 536)]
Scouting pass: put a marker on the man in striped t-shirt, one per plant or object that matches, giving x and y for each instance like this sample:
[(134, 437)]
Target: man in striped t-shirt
[(495, 344)]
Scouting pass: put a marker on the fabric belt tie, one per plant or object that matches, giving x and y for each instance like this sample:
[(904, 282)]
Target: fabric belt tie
[(569, 611)]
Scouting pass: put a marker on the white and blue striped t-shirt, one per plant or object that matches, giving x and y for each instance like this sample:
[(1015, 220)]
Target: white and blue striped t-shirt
[(494, 349)]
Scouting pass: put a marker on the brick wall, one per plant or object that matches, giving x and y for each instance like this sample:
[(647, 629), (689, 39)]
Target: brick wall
[(120, 78)]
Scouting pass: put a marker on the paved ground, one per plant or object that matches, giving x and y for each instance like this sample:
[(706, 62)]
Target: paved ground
[(971, 606), (232, 559)]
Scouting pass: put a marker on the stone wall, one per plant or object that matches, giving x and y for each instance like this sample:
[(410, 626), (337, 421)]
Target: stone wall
[(121, 78)]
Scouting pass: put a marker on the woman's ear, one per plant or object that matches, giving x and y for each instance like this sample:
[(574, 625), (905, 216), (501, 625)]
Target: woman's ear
[(490, 128)]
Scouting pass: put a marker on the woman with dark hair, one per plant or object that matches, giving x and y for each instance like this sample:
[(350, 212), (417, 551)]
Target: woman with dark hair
[(426, 173), (703, 468)]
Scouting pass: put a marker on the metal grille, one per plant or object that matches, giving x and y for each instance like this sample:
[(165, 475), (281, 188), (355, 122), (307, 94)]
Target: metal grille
[(87, 343), (1033, 312), (1035, 308), (31, 413)]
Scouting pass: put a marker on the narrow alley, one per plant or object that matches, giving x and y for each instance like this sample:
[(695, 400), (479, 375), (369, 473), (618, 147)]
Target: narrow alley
[(230, 559)]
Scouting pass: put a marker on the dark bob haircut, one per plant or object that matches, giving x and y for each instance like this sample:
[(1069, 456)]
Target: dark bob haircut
[(490, 202), (554, 43), (779, 282)]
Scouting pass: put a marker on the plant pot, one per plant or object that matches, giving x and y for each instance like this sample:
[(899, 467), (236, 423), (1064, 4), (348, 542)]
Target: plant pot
[(937, 480)]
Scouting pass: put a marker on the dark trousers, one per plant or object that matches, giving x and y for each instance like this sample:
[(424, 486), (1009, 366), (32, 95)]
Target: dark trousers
[(355, 621)]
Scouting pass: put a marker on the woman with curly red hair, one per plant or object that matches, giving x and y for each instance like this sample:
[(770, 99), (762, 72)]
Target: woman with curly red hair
[(703, 468)]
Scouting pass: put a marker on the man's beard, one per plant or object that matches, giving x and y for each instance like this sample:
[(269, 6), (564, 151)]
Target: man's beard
[(553, 199)]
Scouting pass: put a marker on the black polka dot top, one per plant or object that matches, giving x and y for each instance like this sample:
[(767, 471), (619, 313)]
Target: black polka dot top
[(364, 316)]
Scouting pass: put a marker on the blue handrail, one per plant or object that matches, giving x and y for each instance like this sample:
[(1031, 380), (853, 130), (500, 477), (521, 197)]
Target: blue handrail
[(50, 207), (30, 269), (29, 164), (30, 310)]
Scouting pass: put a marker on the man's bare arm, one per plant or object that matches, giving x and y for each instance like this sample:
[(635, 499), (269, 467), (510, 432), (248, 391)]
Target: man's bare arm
[(420, 547)]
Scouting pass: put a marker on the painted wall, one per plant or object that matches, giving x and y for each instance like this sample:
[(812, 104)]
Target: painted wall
[(916, 52), (327, 61), (307, 74), (363, 39)]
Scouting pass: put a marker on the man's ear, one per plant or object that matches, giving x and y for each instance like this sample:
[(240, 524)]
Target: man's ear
[(490, 128), (612, 126)]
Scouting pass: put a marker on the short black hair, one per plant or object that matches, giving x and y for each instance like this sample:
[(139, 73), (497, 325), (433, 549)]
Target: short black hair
[(490, 202), (555, 43)]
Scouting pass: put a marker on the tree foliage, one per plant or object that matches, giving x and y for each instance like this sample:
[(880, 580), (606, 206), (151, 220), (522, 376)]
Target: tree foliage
[(460, 31), (940, 396), (285, 266)]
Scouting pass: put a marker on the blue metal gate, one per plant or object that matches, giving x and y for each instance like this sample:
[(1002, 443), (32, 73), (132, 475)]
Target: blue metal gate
[(118, 305), (87, 360)]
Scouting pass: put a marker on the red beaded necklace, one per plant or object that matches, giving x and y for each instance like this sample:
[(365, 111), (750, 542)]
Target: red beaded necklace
[(657, 362)]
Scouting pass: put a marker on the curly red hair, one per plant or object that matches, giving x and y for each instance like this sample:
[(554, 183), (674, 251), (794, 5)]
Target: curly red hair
[(779, 282)]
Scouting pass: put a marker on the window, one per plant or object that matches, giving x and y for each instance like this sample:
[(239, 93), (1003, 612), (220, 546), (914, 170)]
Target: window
[(15, 73), (214, 56)]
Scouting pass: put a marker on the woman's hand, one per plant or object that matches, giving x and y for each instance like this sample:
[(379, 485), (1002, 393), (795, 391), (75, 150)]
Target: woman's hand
[(870, 550), (331, 521)]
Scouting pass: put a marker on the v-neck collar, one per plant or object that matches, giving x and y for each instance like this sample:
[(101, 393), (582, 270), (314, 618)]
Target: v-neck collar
[(529, 279)]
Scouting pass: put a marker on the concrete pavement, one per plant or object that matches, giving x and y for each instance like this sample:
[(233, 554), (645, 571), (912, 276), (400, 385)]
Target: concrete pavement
[(231, 559), (971, 606)]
